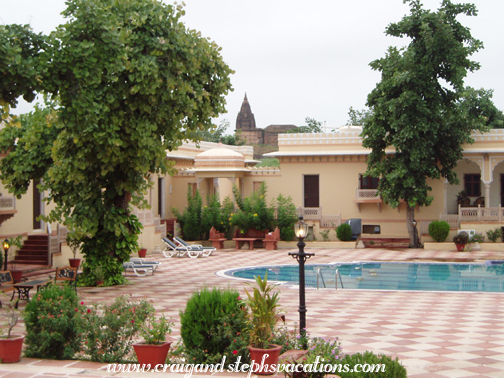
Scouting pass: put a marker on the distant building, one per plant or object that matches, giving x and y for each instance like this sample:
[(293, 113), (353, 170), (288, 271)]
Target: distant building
[(245, 122)]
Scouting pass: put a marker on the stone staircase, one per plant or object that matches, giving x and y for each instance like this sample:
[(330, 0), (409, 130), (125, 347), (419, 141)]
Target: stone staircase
[(34, 250)]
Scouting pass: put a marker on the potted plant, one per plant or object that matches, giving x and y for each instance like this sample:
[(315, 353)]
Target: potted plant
[(154, 349), (99, 275), (74, 243), (264, 314), (142, 252), (460, 240), (475, 240), (462, 198), (10, 345)]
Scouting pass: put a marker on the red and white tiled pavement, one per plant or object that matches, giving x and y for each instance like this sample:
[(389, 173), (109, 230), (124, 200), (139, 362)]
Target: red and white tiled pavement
[(434, 334)]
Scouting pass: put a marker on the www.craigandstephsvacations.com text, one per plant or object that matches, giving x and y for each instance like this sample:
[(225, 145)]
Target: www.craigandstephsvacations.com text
[(189, 369)]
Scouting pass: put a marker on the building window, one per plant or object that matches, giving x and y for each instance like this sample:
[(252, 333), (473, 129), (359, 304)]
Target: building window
[(370, 229), (368, 182), (256, 185), (472, 185)]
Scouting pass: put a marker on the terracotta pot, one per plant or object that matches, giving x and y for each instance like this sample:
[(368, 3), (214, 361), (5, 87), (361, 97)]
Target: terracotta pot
[(17, 275), (152, 354), (10, 349), (74, 263), (460, 247), (99, 283), (142, 252), (257, 355)]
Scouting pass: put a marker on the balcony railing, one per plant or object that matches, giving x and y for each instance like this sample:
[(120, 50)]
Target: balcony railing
[(367, 194), (474, 214)]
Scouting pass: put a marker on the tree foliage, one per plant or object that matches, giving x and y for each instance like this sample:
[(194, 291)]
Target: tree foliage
[(421, 108), (217, 135), (312, 126), (132, 81)]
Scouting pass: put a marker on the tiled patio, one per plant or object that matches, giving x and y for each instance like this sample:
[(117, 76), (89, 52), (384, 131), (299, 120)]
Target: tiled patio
[(435, 335)]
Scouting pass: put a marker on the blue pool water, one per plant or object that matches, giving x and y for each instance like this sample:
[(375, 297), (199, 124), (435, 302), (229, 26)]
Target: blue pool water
[(389, 276)]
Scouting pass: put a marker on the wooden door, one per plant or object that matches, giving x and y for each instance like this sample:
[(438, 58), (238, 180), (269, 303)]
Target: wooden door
[(311, 190)]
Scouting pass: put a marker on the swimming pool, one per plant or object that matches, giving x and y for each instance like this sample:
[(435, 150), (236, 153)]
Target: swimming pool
[(387, 276)]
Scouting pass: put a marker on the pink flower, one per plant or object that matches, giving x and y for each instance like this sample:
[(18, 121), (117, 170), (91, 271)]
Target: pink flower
[(239, 298), (88, 310), (82, 303), (132, 322), (235, 351), (76, 310)]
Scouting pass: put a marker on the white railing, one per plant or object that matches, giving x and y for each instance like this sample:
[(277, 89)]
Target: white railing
[(329, 221), (481, 213), (315, 214), (310, 213), (452, 219), (367, 194), (474, 214), (7, 203)]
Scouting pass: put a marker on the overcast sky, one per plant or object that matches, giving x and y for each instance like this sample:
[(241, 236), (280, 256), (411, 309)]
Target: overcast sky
[(298, 59)]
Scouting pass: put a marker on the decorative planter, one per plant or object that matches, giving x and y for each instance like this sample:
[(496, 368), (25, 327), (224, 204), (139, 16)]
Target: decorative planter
[(257, 355), (99, 283), (152, 354), (74, 263), (10, 349), (142, 252), (460, 247), (17, 275)]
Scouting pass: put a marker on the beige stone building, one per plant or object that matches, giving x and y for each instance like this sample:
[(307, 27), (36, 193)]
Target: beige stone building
[(323, 174)]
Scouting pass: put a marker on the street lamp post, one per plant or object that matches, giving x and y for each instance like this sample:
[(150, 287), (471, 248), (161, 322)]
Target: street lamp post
[(6, 251), (301, 230)]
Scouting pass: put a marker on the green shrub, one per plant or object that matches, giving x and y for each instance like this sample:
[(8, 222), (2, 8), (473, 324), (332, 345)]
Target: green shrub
[(325, 235), (391, 369), (439, 230), (493, 235), (344, 232), (109, 329), (190, 220), (252, 211), (213, 325), (53, 324), (286, 217), (211, 216)]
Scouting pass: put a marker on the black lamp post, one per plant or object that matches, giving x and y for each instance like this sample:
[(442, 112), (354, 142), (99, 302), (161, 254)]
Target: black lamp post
[(6, 246), (301, 230)]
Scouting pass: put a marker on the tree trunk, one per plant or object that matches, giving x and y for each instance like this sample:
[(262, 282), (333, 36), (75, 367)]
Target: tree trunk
[(412, 230)]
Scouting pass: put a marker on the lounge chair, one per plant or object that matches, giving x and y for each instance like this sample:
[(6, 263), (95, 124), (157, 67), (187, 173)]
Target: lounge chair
[(139, 260), (140, 267), (205, 251), (172, 250)]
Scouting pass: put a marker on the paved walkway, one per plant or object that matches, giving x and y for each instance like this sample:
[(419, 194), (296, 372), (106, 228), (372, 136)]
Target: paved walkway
[(434, 334)]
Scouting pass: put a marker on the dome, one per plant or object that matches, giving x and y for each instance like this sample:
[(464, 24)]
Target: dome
[(219, 158)]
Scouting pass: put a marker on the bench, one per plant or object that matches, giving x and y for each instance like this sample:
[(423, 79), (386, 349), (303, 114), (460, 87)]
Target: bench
[(250, 236), (6, 283), (66, 276), (217, 238), (271, 239)]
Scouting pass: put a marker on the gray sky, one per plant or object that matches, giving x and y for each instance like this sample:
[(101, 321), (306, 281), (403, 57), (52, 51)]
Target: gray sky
[(298, 59)]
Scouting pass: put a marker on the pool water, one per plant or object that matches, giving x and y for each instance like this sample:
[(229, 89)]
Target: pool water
[(389, 276)]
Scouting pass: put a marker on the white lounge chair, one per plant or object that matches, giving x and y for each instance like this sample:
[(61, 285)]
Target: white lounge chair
[(172, 250), (140, 270), (205, 251), (141, 267)]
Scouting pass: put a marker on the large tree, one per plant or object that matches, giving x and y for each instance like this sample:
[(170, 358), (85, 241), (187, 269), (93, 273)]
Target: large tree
[(421, 109), (132, 81)]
